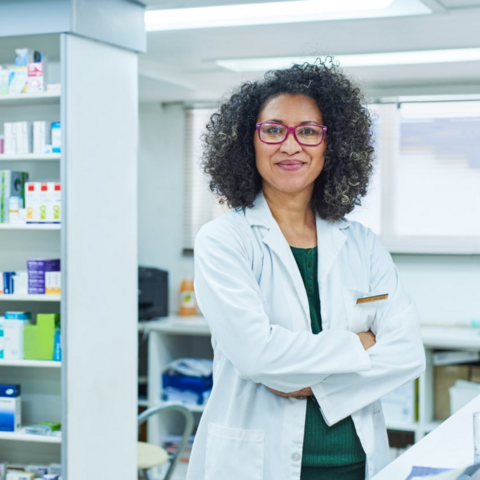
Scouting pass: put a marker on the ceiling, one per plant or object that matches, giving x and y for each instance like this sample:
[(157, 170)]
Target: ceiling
[(179, 65)]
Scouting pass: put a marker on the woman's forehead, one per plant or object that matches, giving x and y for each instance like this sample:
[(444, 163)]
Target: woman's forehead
[(290, 108)]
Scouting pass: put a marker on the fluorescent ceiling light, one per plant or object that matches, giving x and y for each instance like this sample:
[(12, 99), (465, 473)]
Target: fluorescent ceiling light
[(279, 12), (358, 60)]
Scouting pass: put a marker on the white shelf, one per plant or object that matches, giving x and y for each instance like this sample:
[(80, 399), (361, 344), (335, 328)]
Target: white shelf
[(177, 325), (30, 226), (466, 338), (30, 363), (30, 98), (30, 298), (30, 156), (21, 436)]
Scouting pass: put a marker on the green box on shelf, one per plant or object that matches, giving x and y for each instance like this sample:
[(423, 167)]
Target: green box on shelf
[(39, 339)]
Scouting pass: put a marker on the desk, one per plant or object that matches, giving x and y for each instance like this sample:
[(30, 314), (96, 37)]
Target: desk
[(449, 446)]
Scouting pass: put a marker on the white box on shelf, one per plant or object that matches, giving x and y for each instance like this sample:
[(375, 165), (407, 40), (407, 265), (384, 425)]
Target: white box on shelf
[(399, 405), (10, 142), (13, 338), (462, 393), (23, 137), (41, 136)]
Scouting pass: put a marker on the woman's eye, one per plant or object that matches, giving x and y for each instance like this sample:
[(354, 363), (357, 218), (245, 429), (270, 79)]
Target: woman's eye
[(273, 130), (307, 131)]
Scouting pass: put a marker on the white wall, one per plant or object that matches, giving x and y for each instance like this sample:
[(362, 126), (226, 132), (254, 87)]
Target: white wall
[(160, 187), (446, 287)]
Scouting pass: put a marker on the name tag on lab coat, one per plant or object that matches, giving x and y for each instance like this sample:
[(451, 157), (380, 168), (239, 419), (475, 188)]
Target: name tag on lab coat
[(375, 298)]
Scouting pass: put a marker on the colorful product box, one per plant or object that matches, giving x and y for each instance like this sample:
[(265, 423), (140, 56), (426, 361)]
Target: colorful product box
[(37, 276), (12, 184), (43, 202), (56, 137), (14, 324), (6, 76), (10, 408), (36, 81)]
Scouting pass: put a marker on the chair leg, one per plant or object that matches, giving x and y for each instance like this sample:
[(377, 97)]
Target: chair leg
[(146, 475)]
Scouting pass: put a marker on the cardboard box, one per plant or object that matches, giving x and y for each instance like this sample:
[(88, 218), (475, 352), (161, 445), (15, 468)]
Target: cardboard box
[(41, 136), (445, 378), (39, 339), (14, 324)]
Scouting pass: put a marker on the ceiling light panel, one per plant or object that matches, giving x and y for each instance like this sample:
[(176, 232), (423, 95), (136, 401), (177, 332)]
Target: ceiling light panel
[(359, 60), (279, 12)]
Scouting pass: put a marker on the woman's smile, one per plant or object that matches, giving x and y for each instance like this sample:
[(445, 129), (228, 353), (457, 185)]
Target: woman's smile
[(290, 165)]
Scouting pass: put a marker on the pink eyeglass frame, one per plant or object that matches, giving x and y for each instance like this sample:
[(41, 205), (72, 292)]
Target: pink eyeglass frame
[(292, 130)]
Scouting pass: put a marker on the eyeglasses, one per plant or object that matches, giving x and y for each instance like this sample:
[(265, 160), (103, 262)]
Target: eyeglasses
[(310, 134)]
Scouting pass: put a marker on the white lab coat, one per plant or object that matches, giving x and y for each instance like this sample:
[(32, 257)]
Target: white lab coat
[(251, 292)]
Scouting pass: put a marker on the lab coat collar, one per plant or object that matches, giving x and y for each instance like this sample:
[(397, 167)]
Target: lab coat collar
[(330, 240)]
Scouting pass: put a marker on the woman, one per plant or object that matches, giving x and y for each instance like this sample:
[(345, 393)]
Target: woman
[(310, 324)]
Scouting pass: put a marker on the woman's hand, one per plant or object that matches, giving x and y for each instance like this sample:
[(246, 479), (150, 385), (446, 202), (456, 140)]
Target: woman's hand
[(304, 392), (367, 339)]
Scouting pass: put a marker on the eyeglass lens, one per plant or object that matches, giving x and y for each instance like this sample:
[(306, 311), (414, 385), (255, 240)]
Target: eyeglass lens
[(306, 134)]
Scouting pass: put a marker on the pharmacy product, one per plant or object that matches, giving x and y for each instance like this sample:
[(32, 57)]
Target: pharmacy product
[(36, 79), (41, 137), (51, 477), (10, 408), (188, 304), (14, 324), (43, 202), (12, 184), (2, 340), (56, 137), (24, 56), (8, 283), (20, 476), (54, 213), (55, 469), (9, 142), (18, 82), (39, 339), (2, 150), (6, 75), (54, 88), (38, 470), (23, 137), (15, 205), (20, 283), (37, 275)]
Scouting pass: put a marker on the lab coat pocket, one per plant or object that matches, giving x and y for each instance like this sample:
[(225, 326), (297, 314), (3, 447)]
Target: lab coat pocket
[(234, 453), (359, 316)]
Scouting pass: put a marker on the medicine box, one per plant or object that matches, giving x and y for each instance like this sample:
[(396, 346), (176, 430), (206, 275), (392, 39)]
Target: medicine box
[(39, 339), (56, 137), (10, 408), (43, 202), (14, 324), (2, 338), (40, 276), (12, 184), (41, 137)]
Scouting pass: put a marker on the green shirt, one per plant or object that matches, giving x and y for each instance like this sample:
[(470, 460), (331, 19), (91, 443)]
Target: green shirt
[(328, 452)]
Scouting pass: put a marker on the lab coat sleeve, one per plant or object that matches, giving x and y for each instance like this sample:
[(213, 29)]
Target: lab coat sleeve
[(230, 299), (397, 357)]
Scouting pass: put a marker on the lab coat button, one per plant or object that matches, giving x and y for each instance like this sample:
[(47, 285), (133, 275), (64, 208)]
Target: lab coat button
[(296, 457), (309, 264), (309, 251)]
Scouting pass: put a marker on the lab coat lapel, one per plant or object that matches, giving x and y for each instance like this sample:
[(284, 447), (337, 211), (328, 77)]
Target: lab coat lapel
[(261, 215), (330, 241)]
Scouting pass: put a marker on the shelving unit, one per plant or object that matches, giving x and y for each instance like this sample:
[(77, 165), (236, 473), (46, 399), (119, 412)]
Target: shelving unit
[(174, 337), (99, 152)]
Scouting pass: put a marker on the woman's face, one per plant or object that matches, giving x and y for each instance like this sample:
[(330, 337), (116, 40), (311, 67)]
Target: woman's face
[(289, 167)]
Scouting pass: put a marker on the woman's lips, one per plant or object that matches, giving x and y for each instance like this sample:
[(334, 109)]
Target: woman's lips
[(290, 165)]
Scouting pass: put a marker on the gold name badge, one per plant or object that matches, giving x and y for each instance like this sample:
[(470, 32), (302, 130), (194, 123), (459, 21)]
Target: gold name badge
[(375, 298)]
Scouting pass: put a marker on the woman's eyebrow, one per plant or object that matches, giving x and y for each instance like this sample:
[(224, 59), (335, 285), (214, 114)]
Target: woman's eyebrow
[(276, 120)]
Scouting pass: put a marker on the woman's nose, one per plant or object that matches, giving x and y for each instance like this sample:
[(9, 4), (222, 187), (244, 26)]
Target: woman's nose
[(290, 144)]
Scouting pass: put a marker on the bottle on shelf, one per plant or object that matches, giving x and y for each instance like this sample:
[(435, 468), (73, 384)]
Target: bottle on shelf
[(188, 304)]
